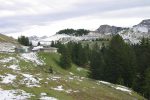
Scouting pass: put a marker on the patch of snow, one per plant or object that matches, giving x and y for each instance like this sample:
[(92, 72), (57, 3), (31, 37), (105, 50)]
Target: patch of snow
[(118, 87), (43, 94), (32, 57), (70, 78), (79, 69), (45, 97), (107, 83), (71, 73), (76, 91), (58, 88), (48, 98), (14, 67), (14, 95), (54, 78), (7, 60), (69, 91), (140, 29), (8, 79), (123, 88), (7, 47), (30, 81), (37, 48)]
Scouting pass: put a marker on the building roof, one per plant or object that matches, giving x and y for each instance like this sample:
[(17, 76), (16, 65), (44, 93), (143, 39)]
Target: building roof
[(37, 48), (49, 48)]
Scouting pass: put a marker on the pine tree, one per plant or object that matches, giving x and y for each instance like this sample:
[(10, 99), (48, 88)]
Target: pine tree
[(146, 85), (24, 40), (65, 59), (52, 44), (39, 44), (97, 65), (121, 62)]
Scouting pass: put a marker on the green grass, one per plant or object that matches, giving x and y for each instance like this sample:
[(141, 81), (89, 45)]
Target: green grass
[(53, 59), (4, 38), (84, 88)]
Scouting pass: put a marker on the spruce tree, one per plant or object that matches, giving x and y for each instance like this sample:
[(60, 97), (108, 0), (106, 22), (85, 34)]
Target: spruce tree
[(65, 59), (120, 61)]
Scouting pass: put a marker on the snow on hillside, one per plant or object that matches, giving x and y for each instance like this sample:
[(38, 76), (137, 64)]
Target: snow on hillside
[(7, 47), (118, 87), (8, 78), (22, 79), (143, 29), (129, 37), (14, 95), (32, 56), (64, 38), (30, 81), (47, 40)]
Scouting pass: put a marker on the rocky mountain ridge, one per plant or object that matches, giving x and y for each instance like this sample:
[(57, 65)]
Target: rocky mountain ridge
[(132, 35)]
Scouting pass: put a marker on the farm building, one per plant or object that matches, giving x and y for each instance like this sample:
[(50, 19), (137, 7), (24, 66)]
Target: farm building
[(49, 49), (44, 49), (22, 49)]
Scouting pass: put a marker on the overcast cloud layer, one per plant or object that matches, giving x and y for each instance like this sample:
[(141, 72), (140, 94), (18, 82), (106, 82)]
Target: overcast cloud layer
[(46, 17)]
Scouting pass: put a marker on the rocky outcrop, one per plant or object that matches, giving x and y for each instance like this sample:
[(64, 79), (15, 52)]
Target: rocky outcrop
[(143, 27), (107, 29)]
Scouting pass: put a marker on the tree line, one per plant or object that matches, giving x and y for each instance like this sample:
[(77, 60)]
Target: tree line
[(118, 62), (24, 41), (122, 63), (78, 32)]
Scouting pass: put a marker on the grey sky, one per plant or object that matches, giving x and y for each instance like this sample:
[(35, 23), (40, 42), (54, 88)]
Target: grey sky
[(45, 17)]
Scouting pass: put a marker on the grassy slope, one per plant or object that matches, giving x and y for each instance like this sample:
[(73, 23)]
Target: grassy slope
[(4, 38), (86, 89)]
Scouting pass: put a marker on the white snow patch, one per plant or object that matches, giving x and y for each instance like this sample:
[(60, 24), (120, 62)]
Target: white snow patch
[(70, 78), (8, 79), (69, 91), (54, 78), (30, 81), (140, 28), (58, 88), (14, 67), (37, 48), (32, 57), (7, 60), (45, 97), (123, 88), (79, 69), (48, 98), (71, 73), (7, 47), (14, 95), (118, 87), (43, 94), (107, 83)]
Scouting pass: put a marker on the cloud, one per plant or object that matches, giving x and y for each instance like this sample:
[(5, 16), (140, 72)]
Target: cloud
[(34, 16)]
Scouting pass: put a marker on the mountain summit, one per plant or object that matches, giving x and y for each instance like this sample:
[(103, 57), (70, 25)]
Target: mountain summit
[(143, 26), (107, 29)]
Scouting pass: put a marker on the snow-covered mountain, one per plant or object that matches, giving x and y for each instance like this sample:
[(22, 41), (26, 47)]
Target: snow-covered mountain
[(143, 27), (107, 29), (132, 35), (64, 38)]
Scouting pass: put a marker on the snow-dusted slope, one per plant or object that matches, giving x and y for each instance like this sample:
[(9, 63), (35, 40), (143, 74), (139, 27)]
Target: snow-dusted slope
[(47, 40), (132, 35), (65, 38), (143, 26), (26, 77)]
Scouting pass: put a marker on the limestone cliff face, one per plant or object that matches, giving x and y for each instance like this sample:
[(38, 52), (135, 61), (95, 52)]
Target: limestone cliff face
[(143, 26), (105, 29)]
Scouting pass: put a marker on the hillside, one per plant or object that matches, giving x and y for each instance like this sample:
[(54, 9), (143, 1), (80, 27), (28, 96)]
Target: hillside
[(7, 44), (27, 76), (4, 38)]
